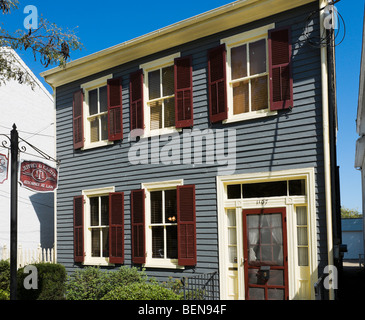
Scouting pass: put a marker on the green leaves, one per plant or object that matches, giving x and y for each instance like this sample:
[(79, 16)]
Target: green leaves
[(49, 44)]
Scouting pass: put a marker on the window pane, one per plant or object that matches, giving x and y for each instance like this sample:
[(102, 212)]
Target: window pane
[(171, 233), (239, 62), (275, 294), (302, 236), (95, 242), (103, 98), (94, 211), (168, 81), (234, 191), (232, 252), (154, 84), (94, 130), (303, 256), (93, 101), (157, 242), (104, 211), (257, 57), (231, 217), (170, 206), (232, 237), (105, 232), (240, 98), (104, 127), (259, 93), (301, 216), (156, 115), (256, 293), (266, 189), (156, 207), (169, 113), (297, 187)]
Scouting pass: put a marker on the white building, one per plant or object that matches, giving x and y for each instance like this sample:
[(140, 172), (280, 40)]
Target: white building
[(32, 110)]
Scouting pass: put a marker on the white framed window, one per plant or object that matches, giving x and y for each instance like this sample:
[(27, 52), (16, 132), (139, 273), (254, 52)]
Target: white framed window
[(248, 75), (96, 112), (161, 224), (96, 232), (159, 96)]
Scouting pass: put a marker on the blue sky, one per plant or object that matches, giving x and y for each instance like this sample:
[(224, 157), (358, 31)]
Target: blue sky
[(101, 26)]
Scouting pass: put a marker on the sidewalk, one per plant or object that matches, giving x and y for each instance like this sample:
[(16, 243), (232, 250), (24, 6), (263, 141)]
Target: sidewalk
[(352, 286)]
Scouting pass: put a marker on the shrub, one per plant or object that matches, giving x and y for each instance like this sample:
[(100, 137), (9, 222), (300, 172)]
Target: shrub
[(92, 283), (51, 283), (4, 280), (141, 291)]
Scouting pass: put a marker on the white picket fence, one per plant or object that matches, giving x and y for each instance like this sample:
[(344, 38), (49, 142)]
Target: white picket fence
[(29, 256)]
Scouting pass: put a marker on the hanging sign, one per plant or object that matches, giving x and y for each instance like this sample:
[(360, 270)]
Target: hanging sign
[(38, 176), (3, 168)]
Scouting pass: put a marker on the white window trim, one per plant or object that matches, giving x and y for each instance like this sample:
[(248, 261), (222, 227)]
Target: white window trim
[(234, 41), (87, 234), (149, 187), (148, 67), (87, 87), (290, 202)]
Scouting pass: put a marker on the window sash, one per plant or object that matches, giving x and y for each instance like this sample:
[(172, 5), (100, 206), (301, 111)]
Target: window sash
[(249, 77)]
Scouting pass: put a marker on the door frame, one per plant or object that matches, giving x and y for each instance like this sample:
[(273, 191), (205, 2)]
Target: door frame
[(226, 278), (281, 210)]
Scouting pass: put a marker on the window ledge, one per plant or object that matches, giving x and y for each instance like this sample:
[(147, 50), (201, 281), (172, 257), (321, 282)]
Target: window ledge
[(164, 265), (251, 116), (160, 132), (97, 144), (97, 262)]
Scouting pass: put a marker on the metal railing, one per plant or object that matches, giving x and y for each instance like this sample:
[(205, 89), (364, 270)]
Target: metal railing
[(201, 287)]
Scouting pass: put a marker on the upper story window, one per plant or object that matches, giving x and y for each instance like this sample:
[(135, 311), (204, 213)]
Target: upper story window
[(159, 95), (96, 112)]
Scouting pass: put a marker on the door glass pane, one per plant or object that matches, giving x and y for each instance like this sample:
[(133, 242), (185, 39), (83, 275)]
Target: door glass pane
[(94, 211), (302, 236), (256, 293), (303, 256), (276, 278), (240, 98), (252, 276), (232, 237), (157, 242), (168, 81), (275, 294), (103, 99), (171, 233), (232, 252), (259, 93), (301, 216), (169, 113), (257, 57), (156, 207), (231, 213), (239, 62), (154, 84), (93, 102), (156, 115)]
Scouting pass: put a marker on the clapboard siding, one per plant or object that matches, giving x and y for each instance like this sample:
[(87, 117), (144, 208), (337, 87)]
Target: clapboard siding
[(288, 140)]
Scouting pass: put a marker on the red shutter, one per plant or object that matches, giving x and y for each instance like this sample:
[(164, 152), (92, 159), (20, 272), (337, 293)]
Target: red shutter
[(79, 229), (78, 121), (218, 109), (115, 110), (138, 227), (116, 228), (136, 100), (186, 225), (280, 65), (183, 92)]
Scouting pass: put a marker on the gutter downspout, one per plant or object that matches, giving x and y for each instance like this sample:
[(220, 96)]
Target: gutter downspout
[(326, 150)]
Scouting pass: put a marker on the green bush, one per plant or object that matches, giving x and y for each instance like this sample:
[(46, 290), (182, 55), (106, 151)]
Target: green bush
[(92, 283), (4, 280), (51, 283), (141, 291)]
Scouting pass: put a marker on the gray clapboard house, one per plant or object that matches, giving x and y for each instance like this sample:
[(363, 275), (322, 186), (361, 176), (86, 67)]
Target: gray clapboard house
[(206, 146)]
